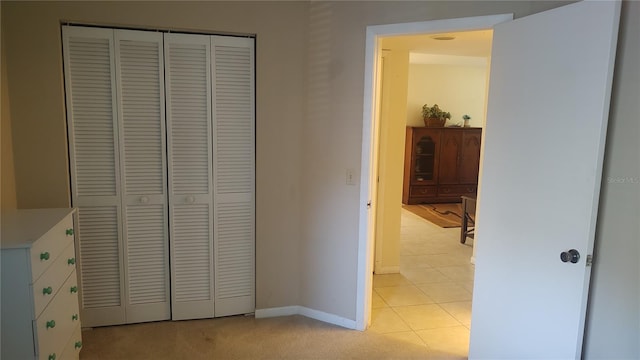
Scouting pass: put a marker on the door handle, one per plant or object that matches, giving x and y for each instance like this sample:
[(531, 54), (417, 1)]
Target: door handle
[(572, 256)]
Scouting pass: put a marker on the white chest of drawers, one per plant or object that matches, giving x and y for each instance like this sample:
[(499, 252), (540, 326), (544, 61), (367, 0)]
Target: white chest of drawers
[(40, 316)]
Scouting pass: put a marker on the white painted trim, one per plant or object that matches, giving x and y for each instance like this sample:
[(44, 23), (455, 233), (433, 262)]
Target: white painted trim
[(304, 311), (388, 270), (328, 318), (364, 282), (278, 311)]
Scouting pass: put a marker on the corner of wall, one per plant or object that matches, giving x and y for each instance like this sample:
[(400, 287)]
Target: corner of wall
[(7, 180)]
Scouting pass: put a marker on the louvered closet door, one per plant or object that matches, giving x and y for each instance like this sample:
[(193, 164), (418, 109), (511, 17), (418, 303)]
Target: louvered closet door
[(95, 179), (188, 92), (140, 88), (234, 174)]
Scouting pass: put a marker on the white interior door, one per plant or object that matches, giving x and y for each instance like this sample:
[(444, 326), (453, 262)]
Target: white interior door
[(89, 68), (140, 89), (188, 92), (551, 76), (232, 69)]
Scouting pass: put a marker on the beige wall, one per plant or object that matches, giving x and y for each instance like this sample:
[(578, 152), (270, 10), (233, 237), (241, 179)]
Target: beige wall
[(391, 159), (8, 189), (7, 179), (455, 88), (613, 325), (33, 48), (310, 76)]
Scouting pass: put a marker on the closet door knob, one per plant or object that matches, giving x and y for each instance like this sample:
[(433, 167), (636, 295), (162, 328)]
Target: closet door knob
[(71, 261), (50, 324), (47, 291), (52, 356), (69, 232), (74, 317), (191, 199), (78, 344), (74, 289), (44, 256), (144, 199)]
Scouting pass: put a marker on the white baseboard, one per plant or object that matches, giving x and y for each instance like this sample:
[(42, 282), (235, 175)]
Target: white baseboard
[(304, 311), (387, 270), (279, 311)]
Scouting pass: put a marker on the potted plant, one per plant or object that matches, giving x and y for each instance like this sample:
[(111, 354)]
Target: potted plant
[(434, 116), (466, 119)]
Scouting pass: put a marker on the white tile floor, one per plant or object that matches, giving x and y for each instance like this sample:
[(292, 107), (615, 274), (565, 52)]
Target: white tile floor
[(429, 302)]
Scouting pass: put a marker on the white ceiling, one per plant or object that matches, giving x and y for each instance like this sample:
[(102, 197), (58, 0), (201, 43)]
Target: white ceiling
[(468, 48)]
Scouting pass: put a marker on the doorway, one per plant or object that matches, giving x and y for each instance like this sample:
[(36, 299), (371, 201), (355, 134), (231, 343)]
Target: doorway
[(371, 131), (505, 282), (422, 287)]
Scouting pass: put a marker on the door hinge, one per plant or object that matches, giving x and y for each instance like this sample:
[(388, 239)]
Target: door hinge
[(589, 260)]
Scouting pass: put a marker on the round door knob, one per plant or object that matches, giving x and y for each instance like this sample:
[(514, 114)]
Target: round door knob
[(572, 256), (144, 199), (191, 199)]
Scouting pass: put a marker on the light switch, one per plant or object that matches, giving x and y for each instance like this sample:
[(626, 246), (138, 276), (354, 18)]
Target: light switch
[(350, 179)]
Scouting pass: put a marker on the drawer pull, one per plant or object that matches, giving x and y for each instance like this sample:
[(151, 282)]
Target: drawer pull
[(74, 289), (78, 344), (51, 324), (44, 256), (52, 356), (71, 261), (69, 232), (47, 291), (74, 317)]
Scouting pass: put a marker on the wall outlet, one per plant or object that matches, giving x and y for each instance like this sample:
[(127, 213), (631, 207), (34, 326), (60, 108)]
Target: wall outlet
[(350, 177)]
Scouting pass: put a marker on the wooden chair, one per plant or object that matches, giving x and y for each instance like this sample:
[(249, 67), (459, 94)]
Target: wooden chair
[(468, 214)]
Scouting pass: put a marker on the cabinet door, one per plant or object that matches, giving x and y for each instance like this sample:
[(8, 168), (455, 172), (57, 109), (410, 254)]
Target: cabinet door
[(450, 152), (234, 174), (470, 158), (425, 156), (95, 175), (140, 84), (188, 92)]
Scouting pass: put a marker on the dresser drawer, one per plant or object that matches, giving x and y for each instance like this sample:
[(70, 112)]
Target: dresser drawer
[(48, 285), (74, 345), (423, 191), (58, 321), (456, 190), (50, 245)]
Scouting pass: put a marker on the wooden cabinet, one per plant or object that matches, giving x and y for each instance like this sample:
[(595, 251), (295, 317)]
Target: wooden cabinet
[(441, 164), (40, 312)]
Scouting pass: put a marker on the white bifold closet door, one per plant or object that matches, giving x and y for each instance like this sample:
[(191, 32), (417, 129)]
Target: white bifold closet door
[(114, 83), (162, 149), (211, 152), (234, 173)]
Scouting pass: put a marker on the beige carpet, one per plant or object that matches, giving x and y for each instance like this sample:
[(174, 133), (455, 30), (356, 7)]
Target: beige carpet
[(445, 215), (244, 337)]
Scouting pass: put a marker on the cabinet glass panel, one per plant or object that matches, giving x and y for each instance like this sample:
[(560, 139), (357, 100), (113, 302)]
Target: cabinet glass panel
[(424, 159)]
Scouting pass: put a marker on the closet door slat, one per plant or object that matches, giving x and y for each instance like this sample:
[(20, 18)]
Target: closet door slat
[(140, 88), (188, 92), (234, 174), (95, 178)]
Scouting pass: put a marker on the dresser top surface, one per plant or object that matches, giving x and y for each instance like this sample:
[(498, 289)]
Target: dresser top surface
[(20, 228)]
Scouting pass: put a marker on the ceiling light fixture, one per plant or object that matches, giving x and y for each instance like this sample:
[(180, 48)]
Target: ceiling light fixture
[(443, 37)]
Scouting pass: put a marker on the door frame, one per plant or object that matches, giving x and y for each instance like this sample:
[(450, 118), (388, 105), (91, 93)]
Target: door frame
[(370, 123)]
